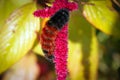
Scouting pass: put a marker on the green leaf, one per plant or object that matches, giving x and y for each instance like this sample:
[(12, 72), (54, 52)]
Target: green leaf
[(8, 6), (103, 16), (83, 49), (17, 35), (20, 2)]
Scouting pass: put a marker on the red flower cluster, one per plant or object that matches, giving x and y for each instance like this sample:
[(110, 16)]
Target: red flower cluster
[(61, 41)]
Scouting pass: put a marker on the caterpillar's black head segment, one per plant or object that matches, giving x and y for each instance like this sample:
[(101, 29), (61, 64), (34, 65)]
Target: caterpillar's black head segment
[(59, 19)]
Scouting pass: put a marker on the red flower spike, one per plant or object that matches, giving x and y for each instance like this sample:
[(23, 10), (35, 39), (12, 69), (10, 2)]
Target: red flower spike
[(61, 53), (47, 12), (61, 42)]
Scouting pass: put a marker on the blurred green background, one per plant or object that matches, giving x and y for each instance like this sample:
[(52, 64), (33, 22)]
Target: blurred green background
[(94, 41)]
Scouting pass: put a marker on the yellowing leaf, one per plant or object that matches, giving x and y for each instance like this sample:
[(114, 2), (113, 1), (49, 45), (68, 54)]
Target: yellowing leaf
[(17, 35), (37, 48), (83, 49), (103, 16)]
